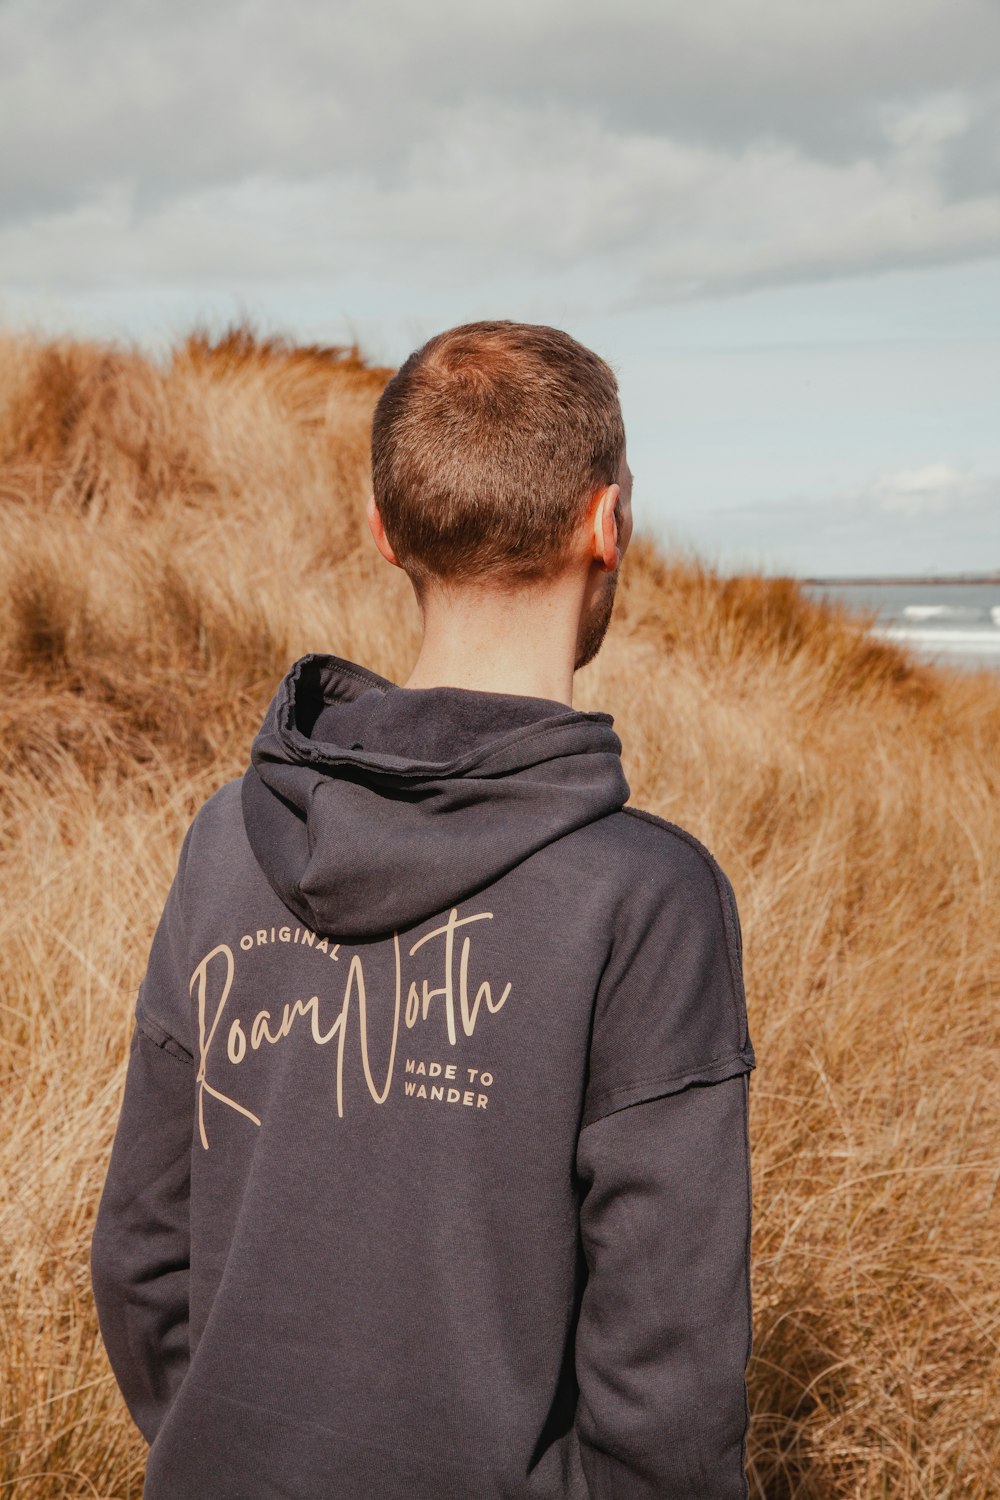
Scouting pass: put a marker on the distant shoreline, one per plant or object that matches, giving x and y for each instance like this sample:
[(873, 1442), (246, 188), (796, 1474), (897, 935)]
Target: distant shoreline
[(908, 579)]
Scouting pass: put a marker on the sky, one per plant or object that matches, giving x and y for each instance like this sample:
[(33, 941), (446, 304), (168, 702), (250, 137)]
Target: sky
[(779, 220)]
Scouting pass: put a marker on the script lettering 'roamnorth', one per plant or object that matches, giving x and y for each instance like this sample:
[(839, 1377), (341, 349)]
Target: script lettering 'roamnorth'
[(450, 1000)]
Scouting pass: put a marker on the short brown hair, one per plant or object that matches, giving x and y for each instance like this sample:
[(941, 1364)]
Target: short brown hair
[(487, 445)]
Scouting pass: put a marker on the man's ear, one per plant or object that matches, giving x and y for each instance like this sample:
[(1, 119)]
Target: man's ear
[(605, 535), (377, 531)]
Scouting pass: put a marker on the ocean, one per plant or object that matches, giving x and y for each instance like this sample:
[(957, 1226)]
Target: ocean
[(952, 623)]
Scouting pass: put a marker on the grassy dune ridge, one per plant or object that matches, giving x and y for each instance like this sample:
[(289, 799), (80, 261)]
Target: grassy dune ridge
[(175, 534)]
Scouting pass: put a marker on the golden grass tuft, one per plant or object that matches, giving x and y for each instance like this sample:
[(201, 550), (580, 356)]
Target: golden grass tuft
[(175, 534)]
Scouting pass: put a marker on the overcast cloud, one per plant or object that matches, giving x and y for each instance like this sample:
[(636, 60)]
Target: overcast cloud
[(691, 147), (556, 159)]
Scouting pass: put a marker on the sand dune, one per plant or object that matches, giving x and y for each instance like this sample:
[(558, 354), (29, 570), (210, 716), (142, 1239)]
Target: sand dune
[(173, 537)]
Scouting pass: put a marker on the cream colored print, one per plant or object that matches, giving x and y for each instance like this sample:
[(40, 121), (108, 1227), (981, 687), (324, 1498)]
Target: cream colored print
[(447, 991), (206, 1037), (267, 1029)]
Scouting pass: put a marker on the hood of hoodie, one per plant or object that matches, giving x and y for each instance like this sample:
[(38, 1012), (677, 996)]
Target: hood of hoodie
[(370, 806)]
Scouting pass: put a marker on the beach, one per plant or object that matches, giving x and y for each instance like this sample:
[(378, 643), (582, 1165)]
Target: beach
[(951, 621)]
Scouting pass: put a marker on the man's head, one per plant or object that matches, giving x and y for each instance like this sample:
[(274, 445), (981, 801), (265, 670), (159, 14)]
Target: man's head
[(498, 452)]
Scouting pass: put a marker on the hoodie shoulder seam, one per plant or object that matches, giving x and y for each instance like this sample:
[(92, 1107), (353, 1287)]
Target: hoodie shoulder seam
[(162, 1038), (645, 1090)]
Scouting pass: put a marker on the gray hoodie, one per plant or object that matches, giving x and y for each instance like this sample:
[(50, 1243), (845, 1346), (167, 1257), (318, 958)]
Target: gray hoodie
[(432, 1178)]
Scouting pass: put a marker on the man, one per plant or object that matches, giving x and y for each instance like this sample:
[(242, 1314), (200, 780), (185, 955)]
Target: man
[(432, 1175)]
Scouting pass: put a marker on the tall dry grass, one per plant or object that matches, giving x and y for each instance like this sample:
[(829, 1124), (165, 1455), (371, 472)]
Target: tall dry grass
[(174, 536)]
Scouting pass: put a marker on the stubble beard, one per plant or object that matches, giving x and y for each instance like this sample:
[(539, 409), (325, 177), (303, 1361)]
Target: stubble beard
[(596, 625)]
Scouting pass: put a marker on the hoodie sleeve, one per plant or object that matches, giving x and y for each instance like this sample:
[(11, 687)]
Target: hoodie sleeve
[(140, 1246), (664, 1333), (665, 1328)]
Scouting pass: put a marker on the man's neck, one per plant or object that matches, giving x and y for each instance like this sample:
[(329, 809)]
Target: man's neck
[(499, 645)]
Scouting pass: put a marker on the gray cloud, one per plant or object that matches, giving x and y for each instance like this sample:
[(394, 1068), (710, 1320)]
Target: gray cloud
[(971, 165), (684, 148)]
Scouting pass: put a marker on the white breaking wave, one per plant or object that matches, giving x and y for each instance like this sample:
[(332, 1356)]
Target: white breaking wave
[(939, 612)]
